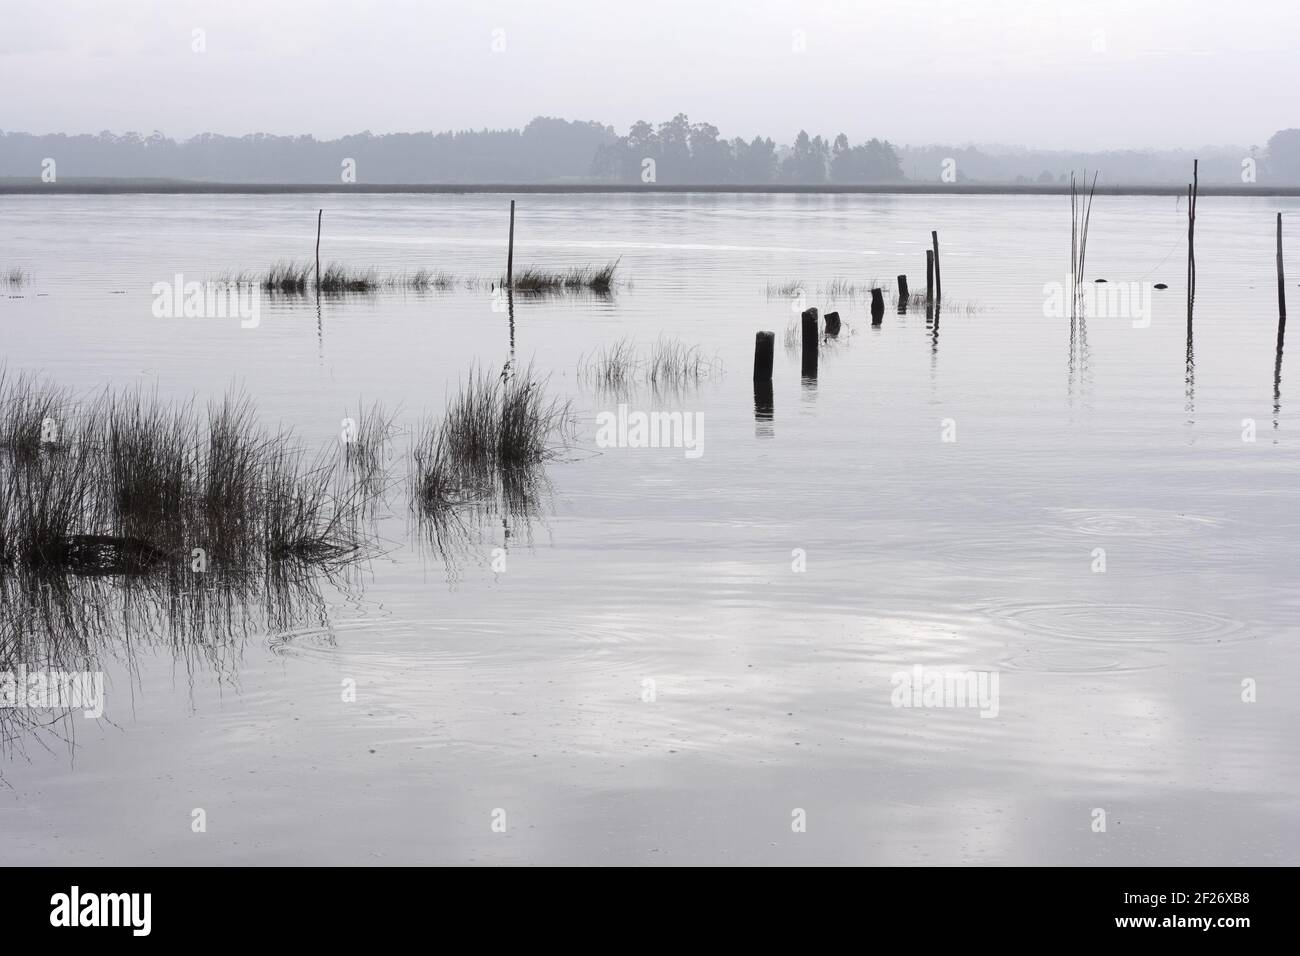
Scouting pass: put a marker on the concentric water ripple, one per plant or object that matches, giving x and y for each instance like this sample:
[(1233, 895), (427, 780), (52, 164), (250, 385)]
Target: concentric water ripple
[(1120, 624)]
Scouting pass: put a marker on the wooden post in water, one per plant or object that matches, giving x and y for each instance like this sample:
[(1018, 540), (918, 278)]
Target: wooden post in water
[(929, 275), (319, 215), (877, 306), (832, 323), (764, 349), (810, 334), (938, 279), (1192, 191), (903, 294), (1281, 284), (510, 252)]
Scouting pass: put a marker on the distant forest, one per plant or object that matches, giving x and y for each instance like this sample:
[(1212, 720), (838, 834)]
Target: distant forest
[(550, 150)]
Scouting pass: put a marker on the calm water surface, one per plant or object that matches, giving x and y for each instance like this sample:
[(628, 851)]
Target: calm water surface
[(523, 690)]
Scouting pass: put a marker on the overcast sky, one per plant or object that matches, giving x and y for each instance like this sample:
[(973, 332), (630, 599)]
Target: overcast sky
[(1052, 73)]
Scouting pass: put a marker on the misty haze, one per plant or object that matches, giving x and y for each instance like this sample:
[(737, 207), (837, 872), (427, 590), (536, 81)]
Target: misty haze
[(684, 434)]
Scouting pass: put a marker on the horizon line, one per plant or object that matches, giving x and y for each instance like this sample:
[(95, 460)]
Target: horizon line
[(128, 186)]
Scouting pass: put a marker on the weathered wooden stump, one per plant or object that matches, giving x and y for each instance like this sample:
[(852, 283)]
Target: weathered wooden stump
[(877, 306), (808, 365), (832, 323), (764, 349)]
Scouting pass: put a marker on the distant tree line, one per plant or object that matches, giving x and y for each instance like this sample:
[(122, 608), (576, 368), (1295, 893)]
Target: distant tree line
[(551, 150), (546, 150), (680, 151)]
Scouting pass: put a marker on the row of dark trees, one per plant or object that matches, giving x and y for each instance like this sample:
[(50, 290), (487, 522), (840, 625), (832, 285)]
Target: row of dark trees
[(680, 151), (546, 150), (557, 150)]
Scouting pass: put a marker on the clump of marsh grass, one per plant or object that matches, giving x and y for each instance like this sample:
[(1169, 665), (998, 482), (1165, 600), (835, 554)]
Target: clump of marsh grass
[(34, 413), (792, 340), (299, 278), (784, 290), (236, 277), (536, 280), (14, 277), (50, 508), (496, 431), (840, 288), (142, 483), (665, 364), (290, 278), (338, 279), (835, 290), (421, 280), (365, 440), (673, 364), (614, 366), (303, 517)]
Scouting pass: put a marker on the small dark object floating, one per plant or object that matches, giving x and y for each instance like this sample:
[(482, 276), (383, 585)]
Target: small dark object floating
[(1161, 285), (1098, 280)]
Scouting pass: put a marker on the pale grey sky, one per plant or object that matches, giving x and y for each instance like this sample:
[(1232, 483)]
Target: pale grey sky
[(1052, 73)]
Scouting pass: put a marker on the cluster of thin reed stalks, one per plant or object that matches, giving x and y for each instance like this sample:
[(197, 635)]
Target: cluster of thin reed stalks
[(494, 435), (14, 276), (421, 280), (126, 484), (840, 289), (784, 290), (536, 280), (1080, 216), (665, 364), (365, 440), (299, 278)]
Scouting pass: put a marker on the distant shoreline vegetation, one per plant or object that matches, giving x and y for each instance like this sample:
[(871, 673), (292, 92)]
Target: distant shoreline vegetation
[(564, 153)]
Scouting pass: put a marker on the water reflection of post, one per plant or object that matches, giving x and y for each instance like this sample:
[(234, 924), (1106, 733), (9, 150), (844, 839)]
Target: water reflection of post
[(764, 410), (932, 323), (1277, 376), (1189, 378)]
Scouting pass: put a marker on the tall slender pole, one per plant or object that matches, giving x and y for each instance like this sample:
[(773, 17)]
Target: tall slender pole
[(1192, 191), (510, 254), (319, 214), (929, 275), (1281, 329), (1281, 284), (938, 280)]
